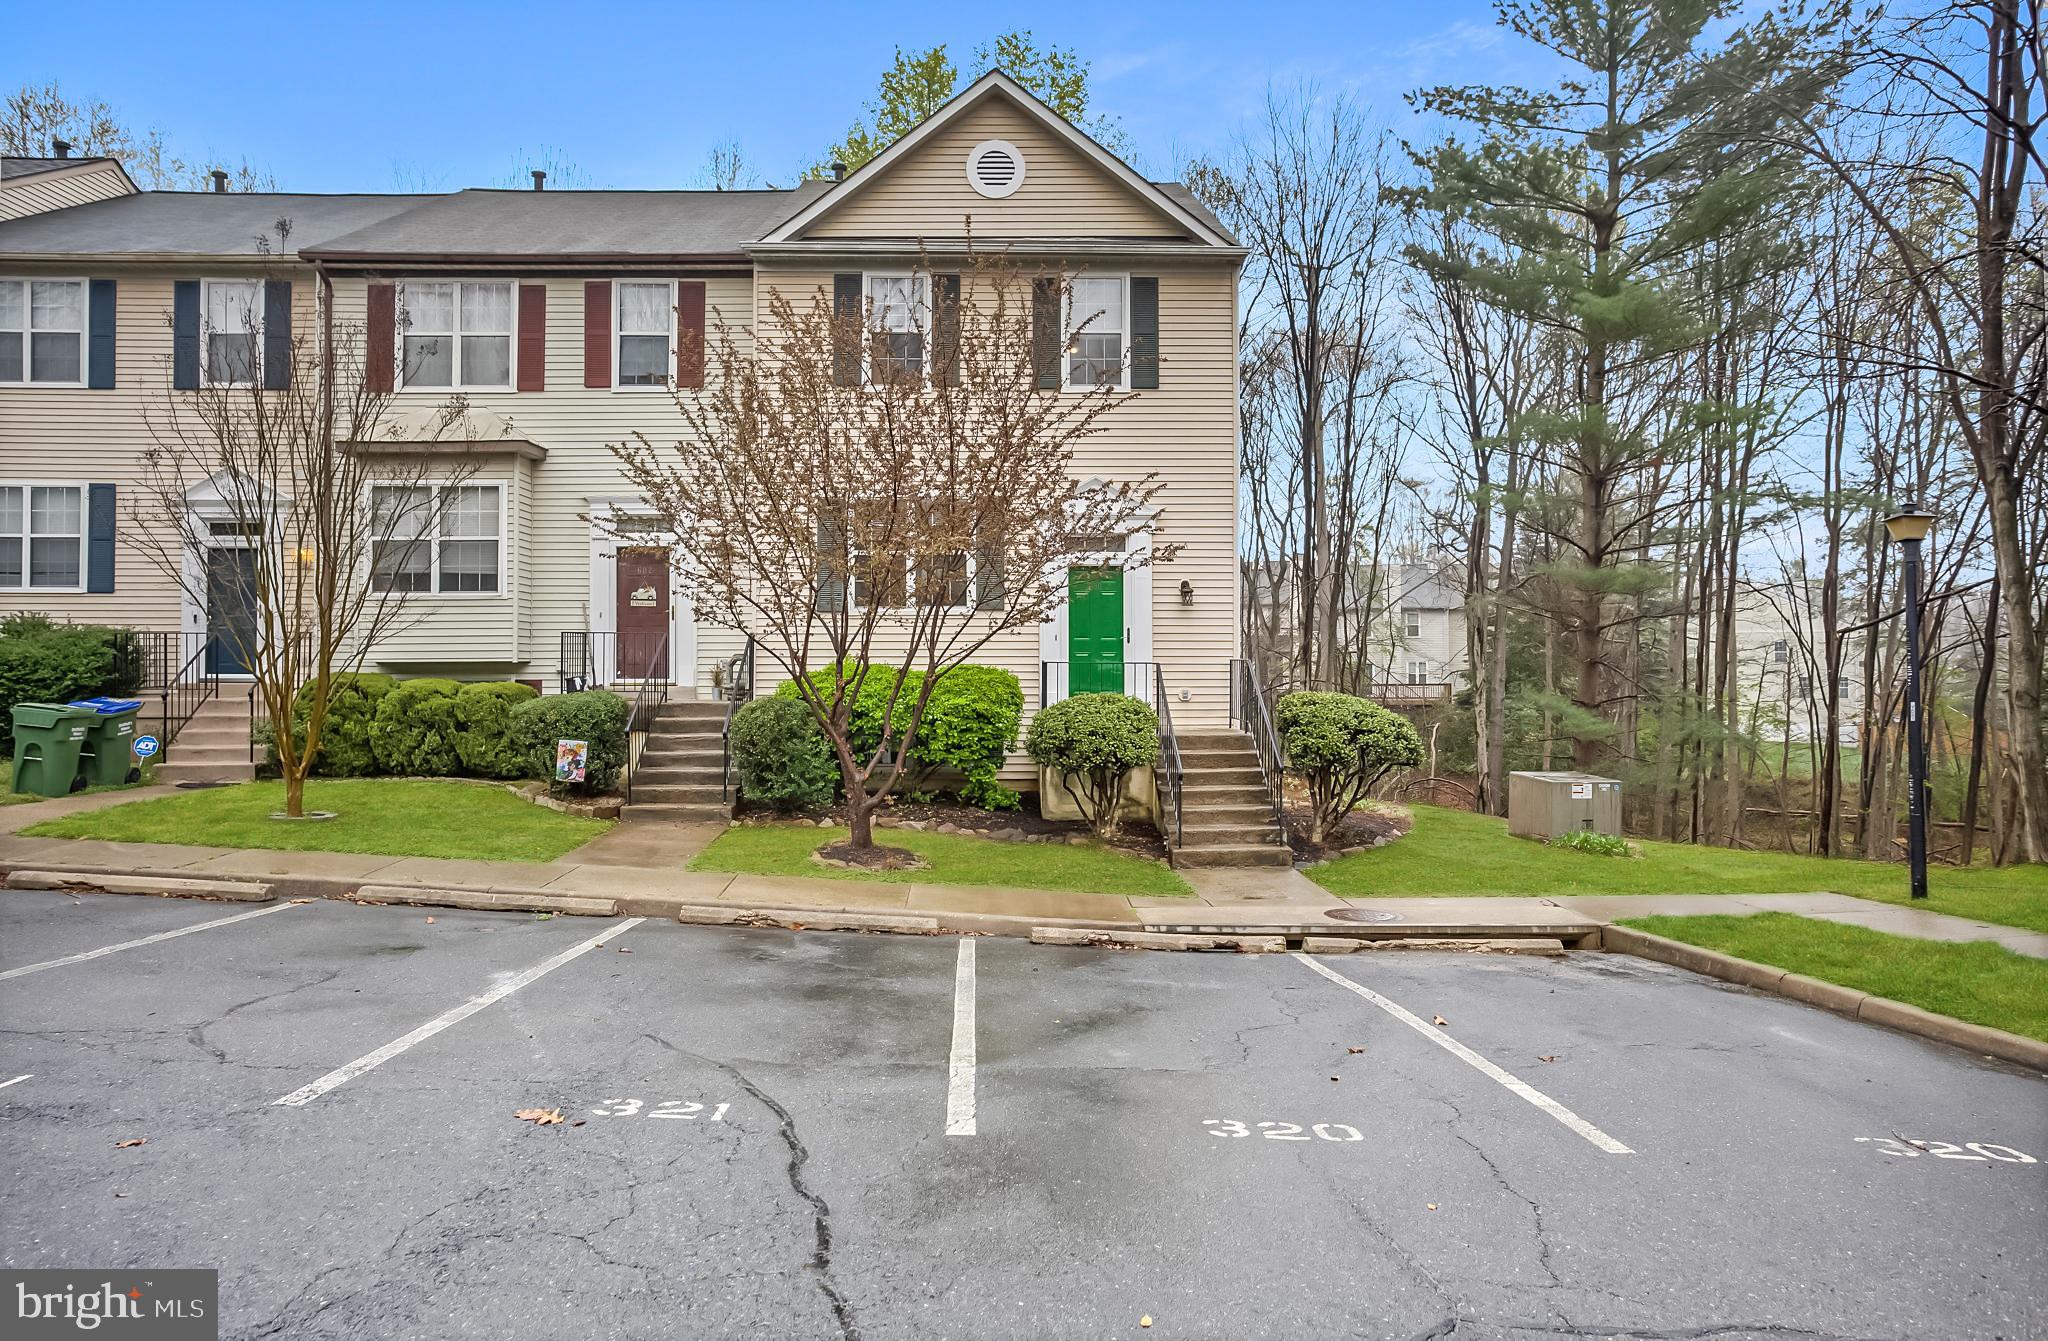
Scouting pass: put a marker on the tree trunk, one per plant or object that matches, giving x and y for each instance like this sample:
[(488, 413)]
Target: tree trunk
[(1980, 724)]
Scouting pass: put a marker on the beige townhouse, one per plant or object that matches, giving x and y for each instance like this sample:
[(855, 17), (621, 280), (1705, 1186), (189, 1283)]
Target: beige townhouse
[(558, 317)]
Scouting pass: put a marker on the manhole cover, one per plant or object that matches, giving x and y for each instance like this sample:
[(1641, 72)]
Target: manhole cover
[(1361, 915)]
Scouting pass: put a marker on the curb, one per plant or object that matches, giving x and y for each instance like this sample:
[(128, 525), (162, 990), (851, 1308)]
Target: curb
[(1476, 945), (1879, 1010), (799, 919), (89, 882), (1155, 940), (486, 900)]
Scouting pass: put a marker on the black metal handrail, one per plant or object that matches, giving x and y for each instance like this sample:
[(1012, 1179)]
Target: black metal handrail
[(599, 658), (1171, 775), (737, 684), (1250, 713), (186, 691), (646, 705), (1139, 680)]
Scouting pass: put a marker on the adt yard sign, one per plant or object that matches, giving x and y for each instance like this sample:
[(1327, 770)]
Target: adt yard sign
[(145, 746)]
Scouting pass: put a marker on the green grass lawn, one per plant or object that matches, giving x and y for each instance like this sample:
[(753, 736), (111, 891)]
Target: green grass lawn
[(10, 797), (955, 859), (388, 816), (1452, 852), (1978, 981)]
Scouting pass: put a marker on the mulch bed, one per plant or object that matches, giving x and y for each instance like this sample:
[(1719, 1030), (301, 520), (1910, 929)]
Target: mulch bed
[(1374, 824), (1023, 825), (876, 858)]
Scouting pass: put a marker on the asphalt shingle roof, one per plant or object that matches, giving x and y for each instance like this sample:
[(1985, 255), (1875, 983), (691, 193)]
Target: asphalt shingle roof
[(194, 223), (12, 167)]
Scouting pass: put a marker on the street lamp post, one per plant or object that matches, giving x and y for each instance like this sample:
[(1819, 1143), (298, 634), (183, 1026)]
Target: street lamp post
[(1909, 527)]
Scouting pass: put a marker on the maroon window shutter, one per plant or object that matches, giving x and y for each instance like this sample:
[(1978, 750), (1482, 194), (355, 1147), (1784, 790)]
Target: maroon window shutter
[(381, 320), (597, 333), (690, 333), (533, 337)]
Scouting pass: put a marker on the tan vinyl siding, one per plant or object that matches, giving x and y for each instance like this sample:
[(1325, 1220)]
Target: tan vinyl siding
[(471, 631), (61, 189), (927, 193)]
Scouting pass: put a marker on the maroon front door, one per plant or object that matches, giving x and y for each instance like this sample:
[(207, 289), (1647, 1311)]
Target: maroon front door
[(642, 611)]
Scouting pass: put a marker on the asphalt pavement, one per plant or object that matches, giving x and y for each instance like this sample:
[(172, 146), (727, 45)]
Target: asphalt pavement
[(808, 1135)]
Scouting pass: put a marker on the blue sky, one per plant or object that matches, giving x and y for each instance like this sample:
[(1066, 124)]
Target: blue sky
[(379, 97)]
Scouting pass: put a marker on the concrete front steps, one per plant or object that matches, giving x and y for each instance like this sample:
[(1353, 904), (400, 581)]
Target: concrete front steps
[(680, 774), (214, 745), (1226, 814)]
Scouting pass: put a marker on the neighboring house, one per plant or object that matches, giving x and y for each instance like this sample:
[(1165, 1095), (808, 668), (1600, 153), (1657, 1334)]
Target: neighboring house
[(553, 313), (1408, 650), (34, 185), (1780, 650)]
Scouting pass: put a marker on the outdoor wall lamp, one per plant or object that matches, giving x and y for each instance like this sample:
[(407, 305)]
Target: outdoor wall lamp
[(1187, 592)]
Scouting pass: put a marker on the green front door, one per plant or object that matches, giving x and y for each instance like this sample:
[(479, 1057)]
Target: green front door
[(1095, 631)]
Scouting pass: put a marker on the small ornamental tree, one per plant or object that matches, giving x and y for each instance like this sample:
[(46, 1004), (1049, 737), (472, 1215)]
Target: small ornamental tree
[(1095, 742), (877, 487), (1343, 746)]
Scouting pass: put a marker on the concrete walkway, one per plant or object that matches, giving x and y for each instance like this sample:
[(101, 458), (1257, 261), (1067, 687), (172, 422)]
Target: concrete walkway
[(646, 861)]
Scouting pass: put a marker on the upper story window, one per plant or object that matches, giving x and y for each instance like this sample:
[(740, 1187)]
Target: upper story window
[(457, 335), (646, 321), (899, 319), (1418, 672), (1781, 651), (438, 538), (233, 313), (1095, 354), (42, 331), (1412, 623), (42, 537)]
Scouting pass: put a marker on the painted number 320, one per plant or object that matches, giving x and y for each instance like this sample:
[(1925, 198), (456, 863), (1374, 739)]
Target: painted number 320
[(684, 1109), (1979, 1150), (1285, 1131)]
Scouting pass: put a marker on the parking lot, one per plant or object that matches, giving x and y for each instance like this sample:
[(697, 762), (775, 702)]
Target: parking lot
[(797, 1134)]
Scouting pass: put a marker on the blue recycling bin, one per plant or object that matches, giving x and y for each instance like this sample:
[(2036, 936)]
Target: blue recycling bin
[(109, 753)]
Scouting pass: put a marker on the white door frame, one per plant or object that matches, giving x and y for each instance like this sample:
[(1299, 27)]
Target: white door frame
[(608, 517), (1052, 634), (206, 506)]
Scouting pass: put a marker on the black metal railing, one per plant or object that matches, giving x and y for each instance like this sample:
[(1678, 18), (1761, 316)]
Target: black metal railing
[(1139, 679), (598, 658), (736, 682), (648, 697), (1171, 776), (1251, 713), (187, 689)]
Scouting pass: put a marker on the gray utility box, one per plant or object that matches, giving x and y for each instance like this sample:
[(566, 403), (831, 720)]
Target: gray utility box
[(1544, 805)]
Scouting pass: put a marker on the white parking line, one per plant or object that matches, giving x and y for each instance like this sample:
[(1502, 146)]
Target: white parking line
[(146, 940), (372, 1060), (960, 1071), (16, 1081), (1452, 1045)]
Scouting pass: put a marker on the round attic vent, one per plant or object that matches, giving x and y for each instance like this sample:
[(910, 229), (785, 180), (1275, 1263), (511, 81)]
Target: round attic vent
[(995, 168)]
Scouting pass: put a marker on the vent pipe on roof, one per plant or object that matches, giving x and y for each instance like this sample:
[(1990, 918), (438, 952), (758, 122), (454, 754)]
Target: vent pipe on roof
[(838, 171), (60, 148), (220, 181), (540, 180)]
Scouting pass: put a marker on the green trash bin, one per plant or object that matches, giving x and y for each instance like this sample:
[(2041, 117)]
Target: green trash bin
[(48, 740), (110, 740)]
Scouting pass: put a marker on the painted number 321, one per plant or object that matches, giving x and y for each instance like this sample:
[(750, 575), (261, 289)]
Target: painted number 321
[(1285, 1131), (670, 1108)]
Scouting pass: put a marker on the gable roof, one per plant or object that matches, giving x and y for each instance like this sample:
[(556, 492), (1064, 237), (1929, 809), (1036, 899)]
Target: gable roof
[(193, 223), (13, 168), (1200, 224), (518, 225)]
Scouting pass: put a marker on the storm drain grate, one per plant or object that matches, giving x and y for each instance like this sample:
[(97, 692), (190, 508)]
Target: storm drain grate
[(1348, 914)]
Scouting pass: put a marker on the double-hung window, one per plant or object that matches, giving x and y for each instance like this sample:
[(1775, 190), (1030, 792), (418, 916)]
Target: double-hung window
[(1100, 324), (1418, 672), (1411, 622), (42, 331), (646, 322), (457, 335), (899, 324), (438, 538), (234, 331), (42, 537)]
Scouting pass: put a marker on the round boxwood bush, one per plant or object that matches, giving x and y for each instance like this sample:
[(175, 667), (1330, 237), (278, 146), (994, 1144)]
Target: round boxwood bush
[(782, 756), (1093, 742), (414, 731), (483, 720), (595, 715), (352, 700), (1342, 745)]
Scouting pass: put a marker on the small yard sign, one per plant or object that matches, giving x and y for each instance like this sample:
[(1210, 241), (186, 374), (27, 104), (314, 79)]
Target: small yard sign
[(145, 746), (572, 757)]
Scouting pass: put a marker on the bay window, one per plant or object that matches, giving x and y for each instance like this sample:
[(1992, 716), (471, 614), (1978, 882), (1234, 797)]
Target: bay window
[(1095, 355), (42, 331), (42, 537), (645, 319), (438, 538), (457, 335)]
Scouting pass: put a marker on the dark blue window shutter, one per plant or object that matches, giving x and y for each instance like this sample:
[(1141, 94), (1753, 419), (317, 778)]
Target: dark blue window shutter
[(1144, 333), (99, 538), (831, 567), (185, 335), (277, 334), (848, 305), (99, 360)]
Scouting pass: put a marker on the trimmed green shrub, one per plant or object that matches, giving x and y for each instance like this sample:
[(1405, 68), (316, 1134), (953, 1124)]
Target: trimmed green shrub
[(352, 700), (595, 715), (782, 756), (1095, 741), (969, 724), (413, 734), (483, 720), (45, 662), (1343, 745)]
